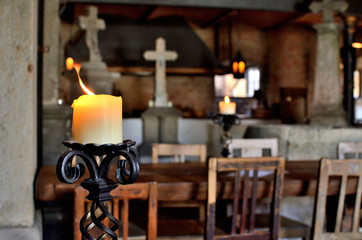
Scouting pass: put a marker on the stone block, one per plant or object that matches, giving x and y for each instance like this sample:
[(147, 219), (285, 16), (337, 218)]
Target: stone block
[(57, 127)]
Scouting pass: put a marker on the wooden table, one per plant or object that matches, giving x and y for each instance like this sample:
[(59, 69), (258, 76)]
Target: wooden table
[(186, 181)]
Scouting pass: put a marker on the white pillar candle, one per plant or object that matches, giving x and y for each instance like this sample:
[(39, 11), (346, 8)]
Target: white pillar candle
[(226, 107), (97, 119)]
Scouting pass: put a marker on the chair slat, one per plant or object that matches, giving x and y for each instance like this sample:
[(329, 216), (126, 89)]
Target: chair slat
[(253, 200), (356, 214), (235, 201), (244, 206), (342, 196), (125, 217)]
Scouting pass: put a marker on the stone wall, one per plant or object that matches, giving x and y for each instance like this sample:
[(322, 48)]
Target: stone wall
[(18, 94), (298, 142)]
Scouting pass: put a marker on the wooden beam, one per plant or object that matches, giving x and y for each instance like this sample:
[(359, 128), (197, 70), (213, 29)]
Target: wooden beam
[(170, 70), (146, 14), (216, 18), (279, 5)]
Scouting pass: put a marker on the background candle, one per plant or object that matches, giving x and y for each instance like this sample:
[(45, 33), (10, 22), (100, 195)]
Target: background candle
[(97, 119), (227, 107)]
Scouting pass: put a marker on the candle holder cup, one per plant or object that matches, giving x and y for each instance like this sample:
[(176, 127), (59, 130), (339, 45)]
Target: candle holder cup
[(226, 121), (98, 184)]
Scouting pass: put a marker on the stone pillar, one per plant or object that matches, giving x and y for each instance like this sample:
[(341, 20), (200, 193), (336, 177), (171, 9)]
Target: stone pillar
[(18, 118), (56, 118), (51, 52), (327, 108)]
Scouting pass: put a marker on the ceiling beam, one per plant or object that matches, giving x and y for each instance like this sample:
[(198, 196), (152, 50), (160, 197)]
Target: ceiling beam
[(146, 14), (216, 18), (279, 5)]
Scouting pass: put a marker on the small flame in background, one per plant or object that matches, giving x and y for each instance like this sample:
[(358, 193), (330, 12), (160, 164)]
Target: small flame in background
[(226, 99), (69, 63), (239, 67)]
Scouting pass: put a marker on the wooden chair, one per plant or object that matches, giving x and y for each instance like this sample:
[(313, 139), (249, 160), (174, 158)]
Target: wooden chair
[(245, 228), (350, 150), (345, 172), (123, 193), (268, 147), (254, 147), (178, 151)]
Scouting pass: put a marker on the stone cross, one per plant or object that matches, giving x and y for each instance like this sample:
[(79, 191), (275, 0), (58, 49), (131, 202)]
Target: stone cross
[(91, 24), (328, 7), (160, 56)]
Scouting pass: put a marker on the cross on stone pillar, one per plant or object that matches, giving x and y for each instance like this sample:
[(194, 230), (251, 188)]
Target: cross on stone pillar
[(327, 108), (92, 24), (328, 7), (160, 56)]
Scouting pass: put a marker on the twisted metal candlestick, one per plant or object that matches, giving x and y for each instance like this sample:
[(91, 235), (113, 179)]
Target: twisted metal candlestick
[(226, 121), (98, 184)]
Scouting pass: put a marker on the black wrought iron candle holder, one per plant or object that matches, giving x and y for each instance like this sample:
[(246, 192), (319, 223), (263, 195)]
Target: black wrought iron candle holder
[(226, 121), (98, 184)]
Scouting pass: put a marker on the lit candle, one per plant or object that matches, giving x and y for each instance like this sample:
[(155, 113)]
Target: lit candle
[(97, 118), (227, 107)]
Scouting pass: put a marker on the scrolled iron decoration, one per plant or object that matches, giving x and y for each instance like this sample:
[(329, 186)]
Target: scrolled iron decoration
[(226, 121), (98, 184)]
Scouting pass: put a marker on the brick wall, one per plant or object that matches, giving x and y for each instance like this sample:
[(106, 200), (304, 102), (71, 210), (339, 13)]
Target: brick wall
[(194, 95), (291, 60)]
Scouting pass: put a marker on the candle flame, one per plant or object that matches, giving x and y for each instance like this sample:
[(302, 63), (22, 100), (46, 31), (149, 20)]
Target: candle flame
[(69, 63), (235, 67), (357, 45), (241, 67), (226, 99), (77, 67)]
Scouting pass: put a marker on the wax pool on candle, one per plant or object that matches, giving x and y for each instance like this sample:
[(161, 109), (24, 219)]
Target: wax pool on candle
[(97, 119), (227, 107)]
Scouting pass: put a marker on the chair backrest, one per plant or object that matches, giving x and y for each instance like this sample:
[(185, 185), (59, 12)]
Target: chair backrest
[(246, 172), (346, 172), (178, 151), (350, 150), (254, 147), (123, 193)]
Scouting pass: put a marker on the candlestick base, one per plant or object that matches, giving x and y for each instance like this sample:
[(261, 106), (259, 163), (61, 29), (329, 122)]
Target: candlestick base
[(226, 122), (98, 184)]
